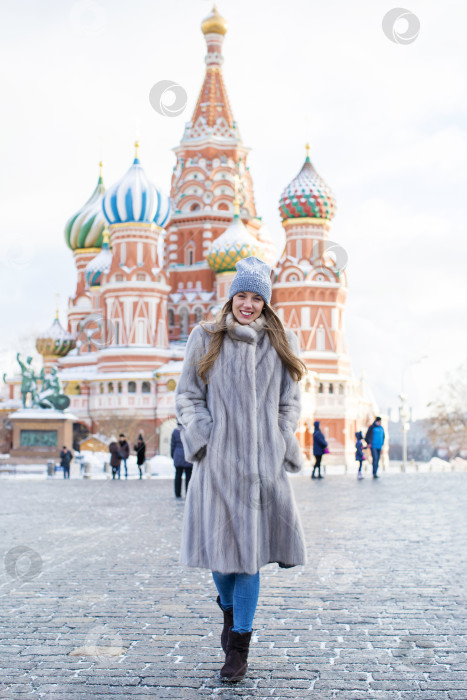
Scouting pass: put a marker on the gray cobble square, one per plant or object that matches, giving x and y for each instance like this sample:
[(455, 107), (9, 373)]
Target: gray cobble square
[(378, 612)]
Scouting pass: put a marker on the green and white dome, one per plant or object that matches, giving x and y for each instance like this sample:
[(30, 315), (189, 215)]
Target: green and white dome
[(85, 228)]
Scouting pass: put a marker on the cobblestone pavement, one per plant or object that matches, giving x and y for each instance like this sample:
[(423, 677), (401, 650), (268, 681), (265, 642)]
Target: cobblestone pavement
[(378, 612)]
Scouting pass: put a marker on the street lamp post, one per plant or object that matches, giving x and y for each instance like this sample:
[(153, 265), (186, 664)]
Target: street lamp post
[(404, 411)]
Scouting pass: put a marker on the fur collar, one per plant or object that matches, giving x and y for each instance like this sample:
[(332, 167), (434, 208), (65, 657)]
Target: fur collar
[(250, 333)]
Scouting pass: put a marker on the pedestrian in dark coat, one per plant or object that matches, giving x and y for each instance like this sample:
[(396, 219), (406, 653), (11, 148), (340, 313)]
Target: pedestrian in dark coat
[(115, 458), (319, 449), (238, 402), (182, 466), (140, 449), (359, 456), (124, 448), (65, 459)]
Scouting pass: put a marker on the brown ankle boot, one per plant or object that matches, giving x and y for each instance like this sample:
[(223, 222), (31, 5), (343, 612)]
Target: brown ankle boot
[(236, 666), (228, 624)]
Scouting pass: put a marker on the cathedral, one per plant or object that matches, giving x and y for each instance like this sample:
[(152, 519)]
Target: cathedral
[(150, 267)]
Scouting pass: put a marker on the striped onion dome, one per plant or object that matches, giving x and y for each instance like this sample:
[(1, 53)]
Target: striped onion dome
[(234, 244), (100, 264), (56, 341), (84, 229), (307, 196), (135, 199)]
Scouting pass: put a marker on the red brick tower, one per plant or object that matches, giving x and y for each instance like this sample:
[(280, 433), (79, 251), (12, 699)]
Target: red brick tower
[(210, 157)]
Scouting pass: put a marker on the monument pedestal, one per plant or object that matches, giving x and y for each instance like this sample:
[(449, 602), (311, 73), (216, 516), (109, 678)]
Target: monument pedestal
[(41, 432)]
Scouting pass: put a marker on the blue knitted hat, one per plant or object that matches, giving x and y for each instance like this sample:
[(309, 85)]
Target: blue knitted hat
[(253, 275)]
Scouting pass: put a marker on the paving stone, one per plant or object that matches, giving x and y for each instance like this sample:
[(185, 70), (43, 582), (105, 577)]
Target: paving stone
[(377, 613)]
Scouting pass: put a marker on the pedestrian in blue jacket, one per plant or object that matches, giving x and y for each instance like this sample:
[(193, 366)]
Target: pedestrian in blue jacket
[(375, 439), (359, 456), (319, 449), (181, 465)]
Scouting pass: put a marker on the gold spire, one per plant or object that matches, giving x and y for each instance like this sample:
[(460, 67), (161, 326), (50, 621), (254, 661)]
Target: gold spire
[(57, 302), (101, 165), (106, 235), (214, 23), (307, 148), (136, 149)]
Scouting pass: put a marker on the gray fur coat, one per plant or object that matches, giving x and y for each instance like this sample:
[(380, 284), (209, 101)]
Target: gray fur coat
[(239, 431)]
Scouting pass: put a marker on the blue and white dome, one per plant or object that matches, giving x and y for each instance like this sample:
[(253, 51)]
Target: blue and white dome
[(135, 199), (100, 264)]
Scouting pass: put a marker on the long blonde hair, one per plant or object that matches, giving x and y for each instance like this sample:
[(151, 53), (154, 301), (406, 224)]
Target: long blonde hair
[(277, 336)]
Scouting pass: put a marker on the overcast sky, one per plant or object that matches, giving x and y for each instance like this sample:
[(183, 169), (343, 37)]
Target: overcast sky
[(386, 123)]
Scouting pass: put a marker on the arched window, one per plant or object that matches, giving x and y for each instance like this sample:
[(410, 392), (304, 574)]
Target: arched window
[(146, 388), (194, 207), (198, 314), (132, 387), (101, 388), (171, 314), (341, 389), (223, 207), (119, 387), (110, 387), (331, 388), (321, 389)]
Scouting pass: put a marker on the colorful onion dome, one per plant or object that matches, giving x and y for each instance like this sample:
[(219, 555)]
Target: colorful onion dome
[(233, 245), (214, 23), (56, 341), (85, 228), (307, 196), (100, 264), (135, 199)]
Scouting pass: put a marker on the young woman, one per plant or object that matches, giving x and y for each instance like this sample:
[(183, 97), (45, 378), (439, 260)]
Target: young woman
[(238, 402)]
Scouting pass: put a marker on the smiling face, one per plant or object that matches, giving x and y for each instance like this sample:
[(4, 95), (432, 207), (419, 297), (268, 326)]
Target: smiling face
[(247, 307)]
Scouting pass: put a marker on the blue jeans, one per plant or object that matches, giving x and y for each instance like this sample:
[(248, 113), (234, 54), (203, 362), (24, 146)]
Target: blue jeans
[(241, 592), (376, 454)]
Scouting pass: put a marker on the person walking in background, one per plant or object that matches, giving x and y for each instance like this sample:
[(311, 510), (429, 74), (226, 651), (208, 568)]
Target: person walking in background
[(124, 448), (140, 449), (115, 458), (359, 456), (319, 449), (65, 460), (238, 403), (375, 440), (180, 463)]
